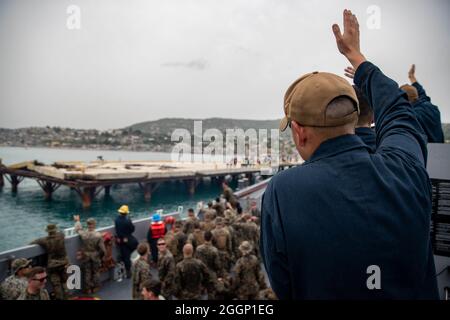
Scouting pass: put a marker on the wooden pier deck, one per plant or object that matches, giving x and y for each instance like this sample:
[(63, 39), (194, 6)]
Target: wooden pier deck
[(89, 179)]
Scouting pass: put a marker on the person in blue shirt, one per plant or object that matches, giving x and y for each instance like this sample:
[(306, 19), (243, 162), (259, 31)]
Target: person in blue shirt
[(363, 128), (427, 113), (350, 223)]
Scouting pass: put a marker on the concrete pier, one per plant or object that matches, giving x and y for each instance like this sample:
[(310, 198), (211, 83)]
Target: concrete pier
[(88, 179)]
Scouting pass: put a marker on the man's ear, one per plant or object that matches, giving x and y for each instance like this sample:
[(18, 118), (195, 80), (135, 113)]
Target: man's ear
[(299, 133)]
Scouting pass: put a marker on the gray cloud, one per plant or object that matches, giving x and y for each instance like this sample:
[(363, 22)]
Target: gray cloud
[(199, 64)]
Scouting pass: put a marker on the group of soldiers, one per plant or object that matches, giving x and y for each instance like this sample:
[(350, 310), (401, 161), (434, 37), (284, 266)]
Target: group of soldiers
[(90, 256), (213, 255)]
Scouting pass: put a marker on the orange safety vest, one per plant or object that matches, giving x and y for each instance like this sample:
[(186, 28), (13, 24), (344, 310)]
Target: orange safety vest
[(158, 229)]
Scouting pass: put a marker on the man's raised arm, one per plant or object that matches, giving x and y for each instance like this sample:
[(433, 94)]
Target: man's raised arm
[(396, 125), (420, 90)]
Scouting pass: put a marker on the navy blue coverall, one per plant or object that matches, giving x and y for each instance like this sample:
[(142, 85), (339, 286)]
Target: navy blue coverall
[(328, 222), (367, 135), (428, 115)]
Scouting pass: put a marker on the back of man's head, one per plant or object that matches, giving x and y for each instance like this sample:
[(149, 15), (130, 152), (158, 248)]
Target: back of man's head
[(208, 236), (188, 250), (319, 106), (142, 249), (338, 108)]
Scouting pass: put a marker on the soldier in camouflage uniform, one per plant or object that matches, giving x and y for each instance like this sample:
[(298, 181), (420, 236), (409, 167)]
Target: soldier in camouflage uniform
[(229, 195), (190, 222), (248, 278), (92, 251), (140, 271), (180, 239), (196, 238), (35, 290), (247, 230), (171, 242), (208, 224), (191, 277), (223, 242), (166, 268), (210, 212), (14, 285), (219, 208), (228, 225), (209, 255), (57, 260)]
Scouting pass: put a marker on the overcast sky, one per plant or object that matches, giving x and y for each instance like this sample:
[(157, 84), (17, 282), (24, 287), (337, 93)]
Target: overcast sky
[(133, 61)]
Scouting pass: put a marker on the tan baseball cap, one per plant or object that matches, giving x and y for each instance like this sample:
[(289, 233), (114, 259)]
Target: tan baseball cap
[(306, 100)]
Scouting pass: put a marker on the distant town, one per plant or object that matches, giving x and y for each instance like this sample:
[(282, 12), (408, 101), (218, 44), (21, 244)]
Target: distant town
[(154, 136)]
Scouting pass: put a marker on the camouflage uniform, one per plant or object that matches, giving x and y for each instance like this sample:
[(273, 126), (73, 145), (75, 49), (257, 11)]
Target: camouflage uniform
[(41, 295), (12, 287), (248, 278), (247, 231), (180, 240), (196, 238), (209, 255), (267, 294), (234, 240), (218, 207), (57, 260), (207, 225), (189, 225), (210, 214), (191, 277), (229, 195), (171, 242), (92, 251), (166, 269), (140, 272), (222, 241)]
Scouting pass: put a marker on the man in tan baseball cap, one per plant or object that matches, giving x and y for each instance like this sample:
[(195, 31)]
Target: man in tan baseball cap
[(350, 213), (319, 106)]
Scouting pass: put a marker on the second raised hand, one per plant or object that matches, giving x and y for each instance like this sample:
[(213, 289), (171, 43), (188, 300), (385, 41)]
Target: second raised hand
[(349, 72), (412, 74)]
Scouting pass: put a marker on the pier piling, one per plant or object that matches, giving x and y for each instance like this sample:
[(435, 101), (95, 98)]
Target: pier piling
[(2, 181), (107, 191), (15, 181), (48, 188)]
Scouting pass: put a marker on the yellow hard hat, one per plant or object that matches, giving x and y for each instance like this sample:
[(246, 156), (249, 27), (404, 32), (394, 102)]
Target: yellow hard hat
[(124, 210)]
